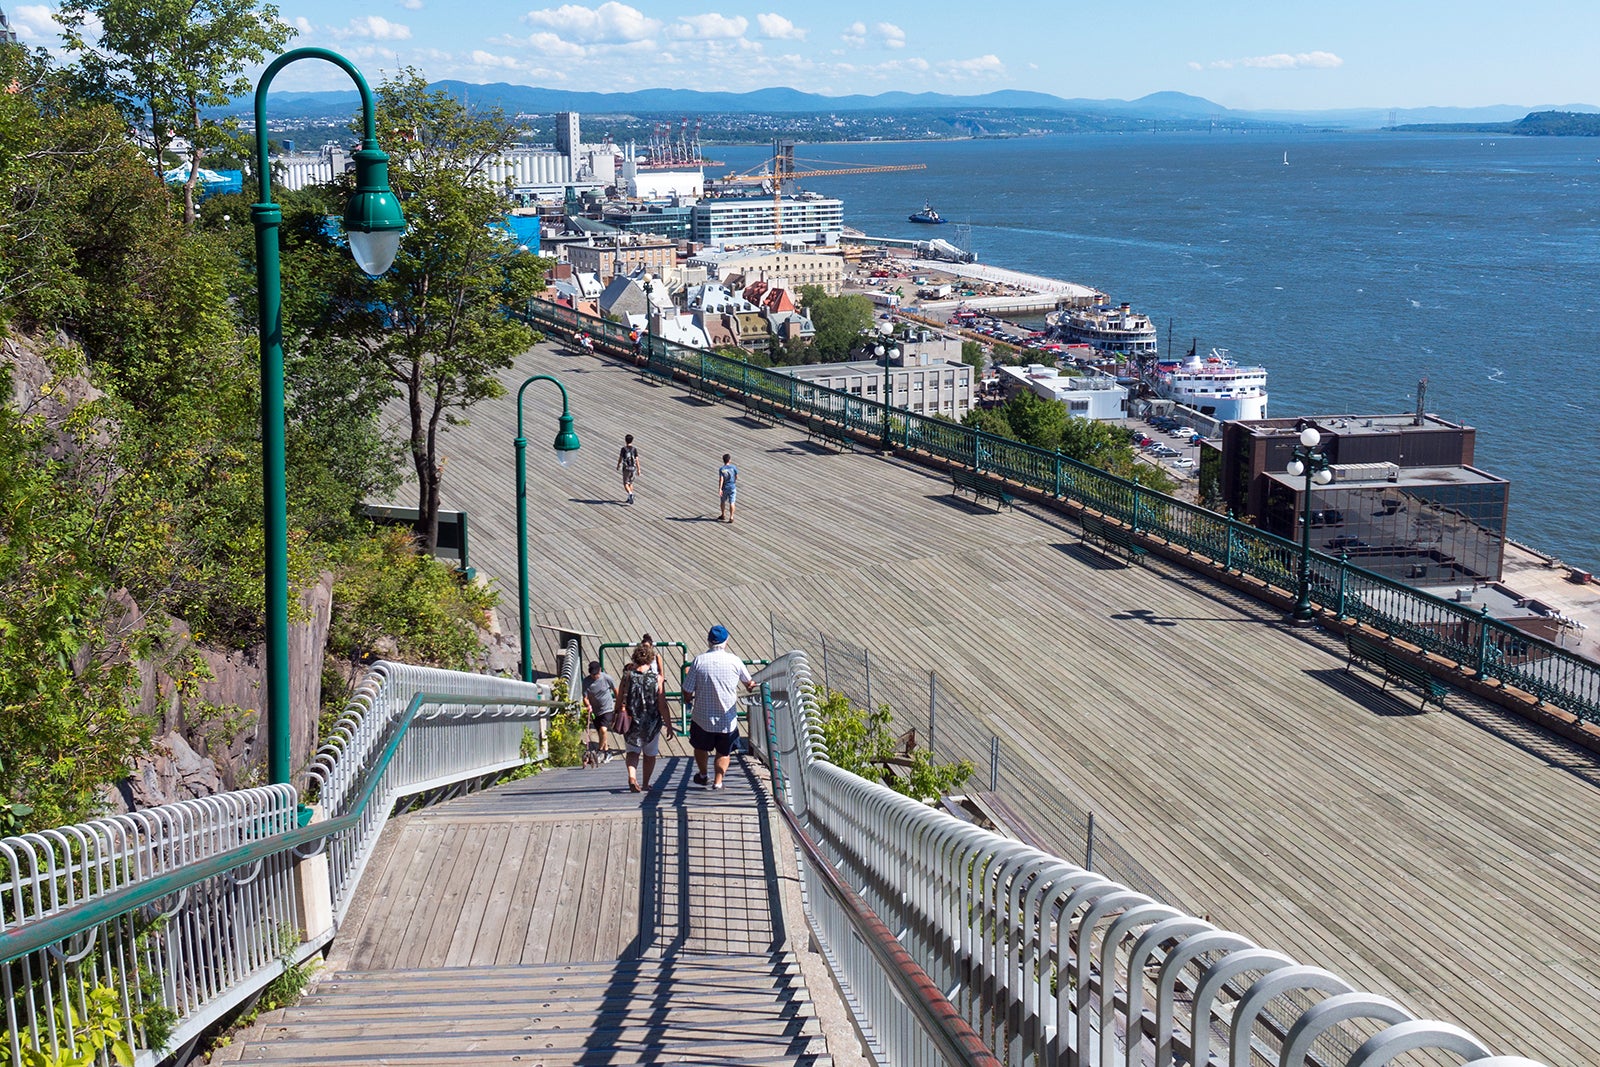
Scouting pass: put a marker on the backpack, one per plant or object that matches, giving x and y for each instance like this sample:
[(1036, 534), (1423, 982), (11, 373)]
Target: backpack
[(641, 701)]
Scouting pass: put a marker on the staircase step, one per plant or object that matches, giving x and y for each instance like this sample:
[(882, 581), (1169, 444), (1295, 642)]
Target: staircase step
[(704, 1047)]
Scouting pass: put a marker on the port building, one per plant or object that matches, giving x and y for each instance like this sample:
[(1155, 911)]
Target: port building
[(747, 220), (1405, 500), (786, 267), (918, 382), (1085, 396)]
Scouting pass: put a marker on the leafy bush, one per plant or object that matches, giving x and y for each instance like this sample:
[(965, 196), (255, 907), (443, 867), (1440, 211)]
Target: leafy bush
[(863, 743), (387, 589)]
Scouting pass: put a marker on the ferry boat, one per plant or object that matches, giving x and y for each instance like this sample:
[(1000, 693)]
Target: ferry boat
[(1106, 329), (1215, 386), (927, 215)]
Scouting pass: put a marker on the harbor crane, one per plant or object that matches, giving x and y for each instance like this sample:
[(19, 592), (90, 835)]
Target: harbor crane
[(781, 168)]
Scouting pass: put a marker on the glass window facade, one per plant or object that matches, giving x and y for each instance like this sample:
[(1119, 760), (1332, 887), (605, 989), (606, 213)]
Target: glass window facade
[(1423, 534)]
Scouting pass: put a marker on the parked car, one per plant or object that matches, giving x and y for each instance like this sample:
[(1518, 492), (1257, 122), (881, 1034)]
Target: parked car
[(1346, 541), (1183, 461)]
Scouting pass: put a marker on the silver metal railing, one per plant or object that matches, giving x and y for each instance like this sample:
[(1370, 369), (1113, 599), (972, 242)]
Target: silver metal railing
[(1051, 963), (185, 912)]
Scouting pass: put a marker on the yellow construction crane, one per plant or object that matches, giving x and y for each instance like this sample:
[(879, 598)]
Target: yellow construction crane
[(781, 169)]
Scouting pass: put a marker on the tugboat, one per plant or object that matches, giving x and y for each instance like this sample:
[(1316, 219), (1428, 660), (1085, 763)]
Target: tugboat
[(927, 215)]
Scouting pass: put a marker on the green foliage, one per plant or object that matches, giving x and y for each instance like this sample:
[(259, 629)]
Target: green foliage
[(92, 1015), (1045, 424), (438, 327), (862, 742), (387, 589), (565, 738), (839, 320), (164, 61), (972, 355)]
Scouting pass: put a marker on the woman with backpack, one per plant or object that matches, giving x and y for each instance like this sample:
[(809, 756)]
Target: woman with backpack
[(643, 697)]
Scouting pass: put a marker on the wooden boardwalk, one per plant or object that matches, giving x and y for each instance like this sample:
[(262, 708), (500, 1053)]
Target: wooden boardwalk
[(1448, 859), (562, 919)]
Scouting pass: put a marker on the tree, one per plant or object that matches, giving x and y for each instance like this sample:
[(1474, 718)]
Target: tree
[(440, 325), (164, 61), (972, 355), (839, 320), (1039, 422)]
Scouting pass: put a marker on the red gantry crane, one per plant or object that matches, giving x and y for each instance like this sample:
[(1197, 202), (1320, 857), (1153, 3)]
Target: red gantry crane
[(781, 169)]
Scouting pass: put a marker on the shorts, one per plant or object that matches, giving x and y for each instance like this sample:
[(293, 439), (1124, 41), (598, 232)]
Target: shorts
[(628, 473), (705, 741), (651, 747), (604, 721), (728, 495)]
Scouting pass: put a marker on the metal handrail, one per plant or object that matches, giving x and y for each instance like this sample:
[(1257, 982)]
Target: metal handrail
[(1483, 649), (956, 1040), (225, 865), (1048, 962)]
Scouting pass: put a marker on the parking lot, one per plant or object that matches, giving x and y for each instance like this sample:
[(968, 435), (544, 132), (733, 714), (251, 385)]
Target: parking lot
[(1165, 446)]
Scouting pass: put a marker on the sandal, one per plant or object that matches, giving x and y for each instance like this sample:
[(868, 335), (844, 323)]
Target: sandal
[(633, 787)]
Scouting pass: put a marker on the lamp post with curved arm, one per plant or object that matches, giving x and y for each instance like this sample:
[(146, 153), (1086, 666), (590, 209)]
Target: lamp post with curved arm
[(1311, 462), (373, 223), (566, 441)]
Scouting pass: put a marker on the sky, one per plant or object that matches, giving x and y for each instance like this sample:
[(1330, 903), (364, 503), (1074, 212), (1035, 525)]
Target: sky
[(1247, 54)]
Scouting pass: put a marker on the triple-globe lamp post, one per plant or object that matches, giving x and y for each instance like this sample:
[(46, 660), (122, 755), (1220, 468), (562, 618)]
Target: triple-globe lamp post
[(566, 441), (885, 328), (1310, 462), (373, 222)]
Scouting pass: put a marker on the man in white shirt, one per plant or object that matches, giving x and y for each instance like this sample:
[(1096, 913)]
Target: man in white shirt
[(712, 685)]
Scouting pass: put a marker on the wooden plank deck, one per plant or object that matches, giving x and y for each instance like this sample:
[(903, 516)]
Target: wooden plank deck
[(564, 918), (1447, 859)]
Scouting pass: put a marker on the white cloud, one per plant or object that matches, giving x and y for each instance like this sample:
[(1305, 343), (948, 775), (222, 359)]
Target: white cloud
[(36, 24), (891, 35), (1279, 61), (710, 27), (976, 67), (611, 22), (375, 27), (778, 28), (550, 44), (411, 5), (855, 34), (303, 24), (481, 58)]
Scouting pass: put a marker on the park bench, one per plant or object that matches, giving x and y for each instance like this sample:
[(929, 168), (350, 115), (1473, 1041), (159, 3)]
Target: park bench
[(980, 486), (822, 432), (1109, 537), (756, 408), (1394, 667)]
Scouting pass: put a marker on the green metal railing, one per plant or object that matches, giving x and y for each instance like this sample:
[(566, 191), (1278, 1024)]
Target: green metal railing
[(1482, 648)]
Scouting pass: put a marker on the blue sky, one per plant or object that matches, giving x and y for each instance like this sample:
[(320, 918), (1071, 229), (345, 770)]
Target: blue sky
[(1300, 54)]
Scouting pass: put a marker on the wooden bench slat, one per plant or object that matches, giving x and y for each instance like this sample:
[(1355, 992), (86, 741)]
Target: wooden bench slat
[(1108, 537), (980, 486), (1395, 667)]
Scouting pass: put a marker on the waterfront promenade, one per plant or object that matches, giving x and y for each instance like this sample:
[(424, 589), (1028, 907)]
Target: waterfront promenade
[(1443, 858)]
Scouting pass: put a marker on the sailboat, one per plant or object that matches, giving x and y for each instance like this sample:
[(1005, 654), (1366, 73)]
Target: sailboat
[(1286, 159)]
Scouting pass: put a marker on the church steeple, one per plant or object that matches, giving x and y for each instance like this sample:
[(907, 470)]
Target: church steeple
[(7, 34)]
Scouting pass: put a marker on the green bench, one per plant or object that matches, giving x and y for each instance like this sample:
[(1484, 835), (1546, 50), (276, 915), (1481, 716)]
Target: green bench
[(822, 432), (1109, 537), (754, 408), (1394, 667), (980, 486)]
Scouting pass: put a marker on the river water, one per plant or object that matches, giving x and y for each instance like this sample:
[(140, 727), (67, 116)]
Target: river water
[(1366, 263)]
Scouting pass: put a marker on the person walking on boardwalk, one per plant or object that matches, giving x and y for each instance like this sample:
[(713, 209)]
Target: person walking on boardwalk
[(599, 699), (644, 698), (712, 685), (727, 480), (628, 464)]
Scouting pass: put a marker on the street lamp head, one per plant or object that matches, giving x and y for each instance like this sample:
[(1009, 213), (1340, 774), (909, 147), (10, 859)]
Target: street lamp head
[(566, 441), (373, 220), (877, 350), (1310, 436), (1296, 468), (886, 326), (1323, 476)]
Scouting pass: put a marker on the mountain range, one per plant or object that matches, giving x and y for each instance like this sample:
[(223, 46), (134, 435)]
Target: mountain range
[(524, 99)]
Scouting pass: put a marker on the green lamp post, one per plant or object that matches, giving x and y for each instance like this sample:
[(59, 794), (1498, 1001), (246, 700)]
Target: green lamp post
[(886, 328), (373, 222), (1314, 465), (566, 441)]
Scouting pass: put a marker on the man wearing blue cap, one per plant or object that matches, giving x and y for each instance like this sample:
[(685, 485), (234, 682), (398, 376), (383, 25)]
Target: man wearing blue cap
[(712, 685)]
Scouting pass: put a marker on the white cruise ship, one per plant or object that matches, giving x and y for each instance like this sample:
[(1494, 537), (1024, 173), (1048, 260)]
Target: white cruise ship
[(1215, 385), (1107, 329)]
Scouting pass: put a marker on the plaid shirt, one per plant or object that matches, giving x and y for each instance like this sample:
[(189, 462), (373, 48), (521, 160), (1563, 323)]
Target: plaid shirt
[(713, 682)]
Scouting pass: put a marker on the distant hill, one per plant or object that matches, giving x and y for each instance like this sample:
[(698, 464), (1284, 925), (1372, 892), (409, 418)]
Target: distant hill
[(1538, 124), (1163, 106)]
